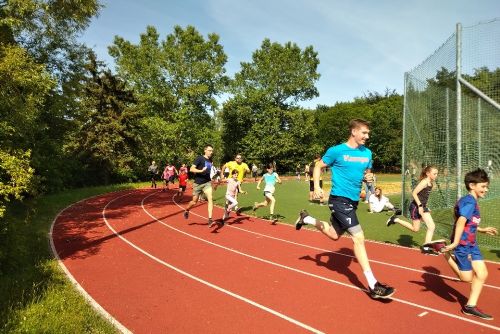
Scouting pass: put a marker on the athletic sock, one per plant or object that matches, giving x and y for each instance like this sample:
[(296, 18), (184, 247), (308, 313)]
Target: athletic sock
[(310, 220), (370, 278)]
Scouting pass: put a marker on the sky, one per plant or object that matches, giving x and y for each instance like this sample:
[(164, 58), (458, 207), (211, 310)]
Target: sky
[(363, 46)]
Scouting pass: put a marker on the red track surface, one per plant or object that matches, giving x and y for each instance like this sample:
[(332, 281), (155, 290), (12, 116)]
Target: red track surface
[(155, 272)]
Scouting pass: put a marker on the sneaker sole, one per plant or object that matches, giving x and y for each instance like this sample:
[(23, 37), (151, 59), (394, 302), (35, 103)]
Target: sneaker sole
[(297, 226), (382, 297), (475, 315)]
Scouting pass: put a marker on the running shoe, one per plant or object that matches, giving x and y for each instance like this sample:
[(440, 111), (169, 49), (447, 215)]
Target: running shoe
[(381, 291), (210, 222), (476, 312), (238, 211), (391, 221), (225, 216), (428, 250), (300, 221), (186, 214), (254, 207)]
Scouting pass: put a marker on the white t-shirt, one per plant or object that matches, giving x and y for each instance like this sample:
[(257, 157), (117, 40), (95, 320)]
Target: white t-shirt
[(377, 205)]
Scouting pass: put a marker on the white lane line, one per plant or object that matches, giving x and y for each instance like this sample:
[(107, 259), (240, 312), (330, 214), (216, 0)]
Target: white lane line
[(342, 254), (313, 275), (232, 294), (423, 314), (74, 281)]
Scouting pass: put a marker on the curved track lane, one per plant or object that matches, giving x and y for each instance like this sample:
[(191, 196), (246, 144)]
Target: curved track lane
[(153, 271)]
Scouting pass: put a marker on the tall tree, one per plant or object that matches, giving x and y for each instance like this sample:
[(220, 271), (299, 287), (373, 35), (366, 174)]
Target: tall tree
[(43, 33), (262, 119), (282, 75), (106, 139), (176, 80)]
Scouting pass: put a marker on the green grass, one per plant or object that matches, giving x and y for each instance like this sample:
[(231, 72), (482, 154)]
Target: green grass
[(35, 295), (292, 195)]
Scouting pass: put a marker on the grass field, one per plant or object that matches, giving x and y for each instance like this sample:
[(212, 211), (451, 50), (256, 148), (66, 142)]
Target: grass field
[(292, 196)]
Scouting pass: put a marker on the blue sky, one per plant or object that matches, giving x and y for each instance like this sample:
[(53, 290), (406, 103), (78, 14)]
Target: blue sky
[(362, 45)]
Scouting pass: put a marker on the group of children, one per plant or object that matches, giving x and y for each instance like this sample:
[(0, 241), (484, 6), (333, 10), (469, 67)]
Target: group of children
[(169, 174), (270, 179)]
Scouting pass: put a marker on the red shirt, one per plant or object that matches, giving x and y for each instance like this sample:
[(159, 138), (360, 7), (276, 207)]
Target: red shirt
[(183, 179)]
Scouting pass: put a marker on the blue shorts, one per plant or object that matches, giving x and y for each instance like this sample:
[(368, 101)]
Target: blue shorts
[(462, 256), (343, 214)]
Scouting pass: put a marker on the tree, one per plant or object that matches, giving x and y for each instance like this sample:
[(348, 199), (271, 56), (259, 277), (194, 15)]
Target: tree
[(39, 37), (262, 119), (106, 140), (280, 75), (176, 82)]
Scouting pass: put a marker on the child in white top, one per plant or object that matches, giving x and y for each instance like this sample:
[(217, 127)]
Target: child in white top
[(379, 202), (233, 187)]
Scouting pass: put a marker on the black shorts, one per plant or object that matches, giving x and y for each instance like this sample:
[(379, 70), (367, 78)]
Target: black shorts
[(311, 185), (182, 188), (343, 213)]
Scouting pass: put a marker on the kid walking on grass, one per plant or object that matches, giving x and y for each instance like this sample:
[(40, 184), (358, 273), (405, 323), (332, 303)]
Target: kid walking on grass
[(418, 208), (467, 260), (233, 188), (270, 178)]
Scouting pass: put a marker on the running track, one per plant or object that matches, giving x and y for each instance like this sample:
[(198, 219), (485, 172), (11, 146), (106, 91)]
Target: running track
[(148, 270)]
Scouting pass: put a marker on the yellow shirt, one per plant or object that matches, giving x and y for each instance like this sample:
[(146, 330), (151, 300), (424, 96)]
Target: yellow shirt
[(241, 168)]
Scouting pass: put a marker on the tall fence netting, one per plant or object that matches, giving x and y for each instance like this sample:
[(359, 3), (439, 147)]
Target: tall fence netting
[(455, 141)]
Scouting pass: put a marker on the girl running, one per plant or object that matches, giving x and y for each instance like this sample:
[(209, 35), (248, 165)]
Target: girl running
[(270, 178), (233, 187), (418, 208)]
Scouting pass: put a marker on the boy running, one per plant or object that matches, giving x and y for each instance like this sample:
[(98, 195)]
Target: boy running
[(468, 263), (183, 177)]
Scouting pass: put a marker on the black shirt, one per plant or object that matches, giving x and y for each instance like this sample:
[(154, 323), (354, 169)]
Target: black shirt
[(200, 162)]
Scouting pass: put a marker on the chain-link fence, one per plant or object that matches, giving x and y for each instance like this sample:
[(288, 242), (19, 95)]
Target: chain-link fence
[(452, 121)]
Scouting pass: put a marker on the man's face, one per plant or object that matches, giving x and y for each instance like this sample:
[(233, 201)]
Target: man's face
[(238, 159), (361, 134), (209, 151)]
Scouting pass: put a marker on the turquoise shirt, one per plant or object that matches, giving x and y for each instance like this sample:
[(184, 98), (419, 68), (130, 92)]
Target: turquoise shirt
[(270, 180), (348, 168)]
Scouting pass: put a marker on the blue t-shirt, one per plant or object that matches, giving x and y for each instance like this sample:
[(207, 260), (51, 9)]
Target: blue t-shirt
[(467, 207), (348, 168)]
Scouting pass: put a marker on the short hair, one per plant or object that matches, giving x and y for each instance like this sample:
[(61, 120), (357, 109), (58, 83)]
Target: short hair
[(269, 166), (476, 176), (357, 123), (208, 145), (234, 172)]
